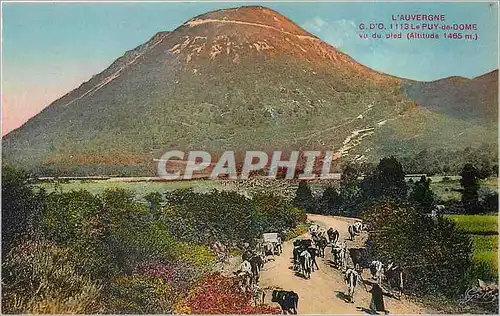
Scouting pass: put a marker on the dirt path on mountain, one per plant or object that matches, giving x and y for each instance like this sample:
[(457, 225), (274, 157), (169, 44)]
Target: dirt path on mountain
[(324, 292)]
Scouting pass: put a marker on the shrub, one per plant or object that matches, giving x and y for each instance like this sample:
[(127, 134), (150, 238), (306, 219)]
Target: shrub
[(300, 215), (179, 276), (217, 215), (139, 294), (40, 277), (275, 214), (295, 232)]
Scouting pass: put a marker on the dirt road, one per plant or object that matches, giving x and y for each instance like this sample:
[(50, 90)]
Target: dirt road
[(324, 292)]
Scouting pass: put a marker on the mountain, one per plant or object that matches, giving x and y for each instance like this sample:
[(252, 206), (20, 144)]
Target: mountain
[(237, 79), (474, 100)]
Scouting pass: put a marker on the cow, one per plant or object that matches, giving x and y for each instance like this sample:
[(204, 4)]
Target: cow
[(305, 263), (376, 270), (395, 277), (244, 275), (306, 243), (258, 294), (247, 255), (287, 300), (313, 252), (313, 229), (244, 280), (269, 248), (322, 233), (279, 246), (339, 256), (297, 249), (351, 278), (358, 227), (245, 266), (333, 235), (359, 257), (321, 243), (352, 231), (256, 263)]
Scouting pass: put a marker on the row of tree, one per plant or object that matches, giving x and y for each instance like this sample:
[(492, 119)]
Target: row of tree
[(387, 180)]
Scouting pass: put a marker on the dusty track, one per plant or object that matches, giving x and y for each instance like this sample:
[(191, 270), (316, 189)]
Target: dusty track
[(324, 292)]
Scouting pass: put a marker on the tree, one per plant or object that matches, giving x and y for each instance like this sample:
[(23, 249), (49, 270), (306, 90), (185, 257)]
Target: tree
[(303, 198), (20, 207), (490, 202), (330, 202), (387, 180), (422, 194), (470, 195)]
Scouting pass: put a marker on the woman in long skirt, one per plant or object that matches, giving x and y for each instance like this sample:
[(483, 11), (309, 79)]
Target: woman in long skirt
[(377, 302)]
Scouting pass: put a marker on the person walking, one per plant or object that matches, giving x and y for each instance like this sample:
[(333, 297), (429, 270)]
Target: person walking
[(377, 302)]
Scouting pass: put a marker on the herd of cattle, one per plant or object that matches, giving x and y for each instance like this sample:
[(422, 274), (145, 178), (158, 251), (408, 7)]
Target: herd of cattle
[(351, 261)]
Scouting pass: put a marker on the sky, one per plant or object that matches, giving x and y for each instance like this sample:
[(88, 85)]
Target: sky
[(49, 49)]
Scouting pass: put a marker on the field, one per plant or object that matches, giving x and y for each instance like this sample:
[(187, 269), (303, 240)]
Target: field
[(446, 188), (449, 188), (484, 232), (140, 188)]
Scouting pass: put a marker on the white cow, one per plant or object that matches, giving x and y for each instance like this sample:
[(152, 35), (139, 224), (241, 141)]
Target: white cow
[(313, 229), (376, 270), (244, 275), (358, 227), (351, 278), (306, 263), (245, 266)]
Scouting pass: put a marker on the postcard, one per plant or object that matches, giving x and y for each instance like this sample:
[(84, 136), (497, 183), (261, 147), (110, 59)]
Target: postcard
[(250, 157)]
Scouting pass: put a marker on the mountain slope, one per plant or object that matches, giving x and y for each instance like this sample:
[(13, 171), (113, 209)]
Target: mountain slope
[(236, 79), (474, 100)]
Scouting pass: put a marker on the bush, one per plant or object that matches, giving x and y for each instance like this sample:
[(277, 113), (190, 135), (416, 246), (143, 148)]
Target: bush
[(275, 214), (217, 215), (227, 216), (295, 232), (40, 278), (139, 294), (435, 254)]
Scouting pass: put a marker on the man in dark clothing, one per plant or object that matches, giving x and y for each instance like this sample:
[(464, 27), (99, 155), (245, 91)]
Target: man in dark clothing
[(377, 302)]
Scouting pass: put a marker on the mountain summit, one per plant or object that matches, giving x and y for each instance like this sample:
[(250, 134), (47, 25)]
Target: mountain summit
[(237, 79)]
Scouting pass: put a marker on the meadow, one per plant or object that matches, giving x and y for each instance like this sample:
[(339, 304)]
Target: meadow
[(448, 188), (445, 188), (484, 232), (140, 188)]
